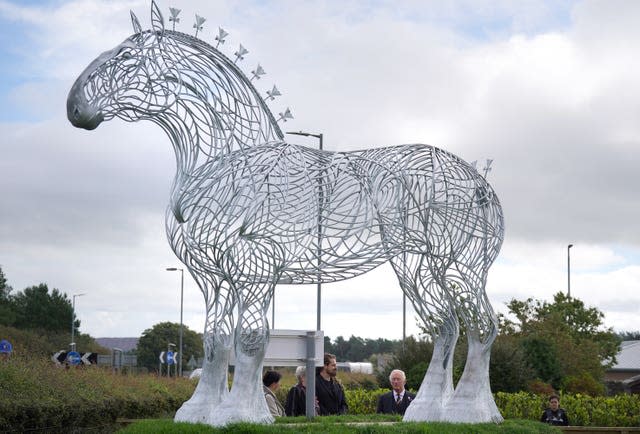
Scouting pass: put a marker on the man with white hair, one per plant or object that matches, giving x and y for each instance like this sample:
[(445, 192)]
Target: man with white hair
[(297, 397), (396, 401)]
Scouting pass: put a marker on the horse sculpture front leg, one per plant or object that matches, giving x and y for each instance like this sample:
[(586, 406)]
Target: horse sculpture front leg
[(246, 402), (213, 385), (255, 281)]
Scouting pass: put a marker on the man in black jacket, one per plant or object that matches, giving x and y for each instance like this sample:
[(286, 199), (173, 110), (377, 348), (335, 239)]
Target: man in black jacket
[(555, 415), (329, 392), (396, 401)]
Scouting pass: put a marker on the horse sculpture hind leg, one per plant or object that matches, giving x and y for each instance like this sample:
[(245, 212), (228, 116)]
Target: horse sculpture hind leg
[(472, 400), (429, 300), (452, 233)]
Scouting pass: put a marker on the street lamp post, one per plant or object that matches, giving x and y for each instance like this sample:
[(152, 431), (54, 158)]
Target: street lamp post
[(569, 270), (319, 300), (73, 317), (181, 305)]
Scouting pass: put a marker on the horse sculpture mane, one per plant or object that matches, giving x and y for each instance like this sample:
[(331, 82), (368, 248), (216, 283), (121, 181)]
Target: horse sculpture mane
[(248, 211)]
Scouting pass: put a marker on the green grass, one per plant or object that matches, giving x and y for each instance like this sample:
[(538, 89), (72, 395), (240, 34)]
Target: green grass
[(340, 425)]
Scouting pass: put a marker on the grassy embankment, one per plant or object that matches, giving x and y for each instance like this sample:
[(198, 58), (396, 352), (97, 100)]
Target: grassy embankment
[(369, 424)]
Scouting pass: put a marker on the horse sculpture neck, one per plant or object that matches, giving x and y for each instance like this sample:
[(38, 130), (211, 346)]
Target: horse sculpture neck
[(216, 111), (198, 96)]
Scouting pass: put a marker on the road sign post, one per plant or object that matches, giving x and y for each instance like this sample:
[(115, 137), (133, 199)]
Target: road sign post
[(170, 362), (5, 349), (74, 358), (294, 348), (161, 357)]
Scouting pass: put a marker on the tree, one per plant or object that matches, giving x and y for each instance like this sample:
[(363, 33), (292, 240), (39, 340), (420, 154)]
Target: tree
[(413, 359), (629, 336), (155, 340), (565, 342), (357, 349), (7, 314), (5, 289), (36, 308), (509, 370)]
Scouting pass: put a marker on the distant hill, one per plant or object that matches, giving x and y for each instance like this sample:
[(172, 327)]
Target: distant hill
[(125, 344)]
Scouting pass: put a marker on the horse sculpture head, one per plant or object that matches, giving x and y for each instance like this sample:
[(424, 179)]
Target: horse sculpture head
[(135, 80), (194, 92)]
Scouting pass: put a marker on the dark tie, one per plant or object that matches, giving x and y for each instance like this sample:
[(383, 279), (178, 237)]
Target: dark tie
[(398, 399)]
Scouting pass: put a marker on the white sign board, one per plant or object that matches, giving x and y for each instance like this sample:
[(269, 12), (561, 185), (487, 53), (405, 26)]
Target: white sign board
[(289, 348)]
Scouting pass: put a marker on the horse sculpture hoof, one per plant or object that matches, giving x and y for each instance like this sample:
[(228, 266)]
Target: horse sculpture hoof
[(229, 412), (424, 410)]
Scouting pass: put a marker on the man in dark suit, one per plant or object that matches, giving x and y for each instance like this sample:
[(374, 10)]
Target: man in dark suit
[(396, 401)]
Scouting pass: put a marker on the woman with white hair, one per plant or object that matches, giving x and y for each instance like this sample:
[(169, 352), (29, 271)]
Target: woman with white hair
[(296, 398)]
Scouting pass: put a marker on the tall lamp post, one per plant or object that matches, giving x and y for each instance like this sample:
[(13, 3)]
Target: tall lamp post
[(319, 300), (73, 317), (569, 270), (181, 305)]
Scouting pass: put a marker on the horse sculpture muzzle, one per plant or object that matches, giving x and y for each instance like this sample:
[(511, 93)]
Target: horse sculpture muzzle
[(80, 113)]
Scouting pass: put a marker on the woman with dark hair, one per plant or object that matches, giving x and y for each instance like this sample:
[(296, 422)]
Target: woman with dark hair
[(271, 383)]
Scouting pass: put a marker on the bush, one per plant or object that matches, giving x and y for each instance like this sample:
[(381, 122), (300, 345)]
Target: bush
[(584, 383), (35, 394), (539, 387), (362, 401), (582, 410)]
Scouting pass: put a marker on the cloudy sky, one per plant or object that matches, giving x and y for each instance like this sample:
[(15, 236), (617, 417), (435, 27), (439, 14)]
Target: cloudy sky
[(549, 90)]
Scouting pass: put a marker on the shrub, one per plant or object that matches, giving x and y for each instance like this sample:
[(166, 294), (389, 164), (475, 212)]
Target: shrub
[(583, 383), (35, 394), (539, 387), (582, 410), (362, 401)]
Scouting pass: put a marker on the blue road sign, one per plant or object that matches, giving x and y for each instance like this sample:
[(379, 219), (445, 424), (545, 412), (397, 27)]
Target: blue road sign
[(5, 347), (74, 358), (170, 359)]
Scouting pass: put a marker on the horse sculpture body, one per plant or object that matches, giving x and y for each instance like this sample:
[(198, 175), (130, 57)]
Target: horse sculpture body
[(248, 211)]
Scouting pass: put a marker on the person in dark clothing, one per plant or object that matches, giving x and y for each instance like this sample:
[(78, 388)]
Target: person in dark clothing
[(396, 401), (329, 392), (554, 415), (297, 397)]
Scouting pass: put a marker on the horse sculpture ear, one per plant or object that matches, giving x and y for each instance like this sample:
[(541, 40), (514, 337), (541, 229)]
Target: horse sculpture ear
[(137, 28), (157, 22)]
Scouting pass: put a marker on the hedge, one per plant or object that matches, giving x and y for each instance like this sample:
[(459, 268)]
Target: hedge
[(35, 394), (583, 410), (38, 395)]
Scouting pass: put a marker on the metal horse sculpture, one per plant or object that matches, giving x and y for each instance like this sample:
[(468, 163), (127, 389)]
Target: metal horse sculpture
[(248, 211)]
